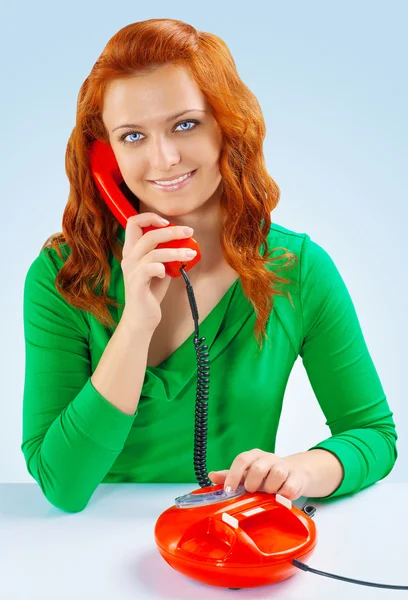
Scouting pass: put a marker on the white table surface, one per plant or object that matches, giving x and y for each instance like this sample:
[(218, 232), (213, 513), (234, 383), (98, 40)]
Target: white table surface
[(108, 551)]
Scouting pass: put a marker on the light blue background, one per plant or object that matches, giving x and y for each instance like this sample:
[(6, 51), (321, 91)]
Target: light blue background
[(332, 83)]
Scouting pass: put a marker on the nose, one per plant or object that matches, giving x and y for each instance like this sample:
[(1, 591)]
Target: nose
[(163, 154)]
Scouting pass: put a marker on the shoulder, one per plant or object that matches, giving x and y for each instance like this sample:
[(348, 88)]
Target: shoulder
[(308, 251), (42, 272), (297, 242), (47, 263), (313, 268), (43, 302), (318, 288), (280, 236), (285, 250)]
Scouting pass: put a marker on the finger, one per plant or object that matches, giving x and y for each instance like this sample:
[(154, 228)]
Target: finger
[(257, 473), (239, 466), (276, 477), (291, 488), (134, 230), (218, 477)]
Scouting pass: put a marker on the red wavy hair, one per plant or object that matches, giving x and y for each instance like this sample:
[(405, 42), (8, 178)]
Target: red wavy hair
[(249, 193)]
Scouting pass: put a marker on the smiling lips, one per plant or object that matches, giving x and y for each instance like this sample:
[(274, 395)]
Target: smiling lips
[(174, 184), (170, 181)]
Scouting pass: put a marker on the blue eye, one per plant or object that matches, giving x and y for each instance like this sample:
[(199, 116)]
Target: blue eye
[(123, 140)]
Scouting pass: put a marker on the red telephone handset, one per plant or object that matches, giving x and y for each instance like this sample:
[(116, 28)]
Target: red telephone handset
[(107, 177)]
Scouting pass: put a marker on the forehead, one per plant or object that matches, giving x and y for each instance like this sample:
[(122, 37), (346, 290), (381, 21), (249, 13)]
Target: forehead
[(151, 96)]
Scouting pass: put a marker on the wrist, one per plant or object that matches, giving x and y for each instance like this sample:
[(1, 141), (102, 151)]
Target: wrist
[(127, 324)]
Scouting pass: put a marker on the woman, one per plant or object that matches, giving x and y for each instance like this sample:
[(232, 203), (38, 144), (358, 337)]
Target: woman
[(111, 370)]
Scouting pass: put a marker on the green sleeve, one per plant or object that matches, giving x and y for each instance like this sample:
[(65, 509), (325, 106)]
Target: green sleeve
[(71, 434), (343, 376)]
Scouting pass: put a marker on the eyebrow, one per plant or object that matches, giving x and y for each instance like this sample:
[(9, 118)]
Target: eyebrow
[(166, 120)]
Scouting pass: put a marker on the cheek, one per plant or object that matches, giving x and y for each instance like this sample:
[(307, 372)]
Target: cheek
[(209, 162), (127, 167), (134, 174)]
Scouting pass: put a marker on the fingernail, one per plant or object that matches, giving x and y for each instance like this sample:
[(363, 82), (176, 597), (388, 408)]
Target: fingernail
[(228, 489), (165, 221)]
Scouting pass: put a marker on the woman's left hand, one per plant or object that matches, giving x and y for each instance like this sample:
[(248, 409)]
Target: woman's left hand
[(264, 472)]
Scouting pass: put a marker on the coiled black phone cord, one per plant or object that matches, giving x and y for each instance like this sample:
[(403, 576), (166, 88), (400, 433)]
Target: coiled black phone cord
[(203, 384)]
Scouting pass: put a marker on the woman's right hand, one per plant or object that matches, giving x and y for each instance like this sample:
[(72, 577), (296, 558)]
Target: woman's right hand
[(145, 279)]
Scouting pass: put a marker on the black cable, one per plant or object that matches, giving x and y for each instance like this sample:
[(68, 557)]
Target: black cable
[(305, 567), (201, 406)]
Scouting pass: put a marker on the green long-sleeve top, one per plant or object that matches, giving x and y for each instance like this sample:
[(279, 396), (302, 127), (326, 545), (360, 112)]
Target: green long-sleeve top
[(74, 438)]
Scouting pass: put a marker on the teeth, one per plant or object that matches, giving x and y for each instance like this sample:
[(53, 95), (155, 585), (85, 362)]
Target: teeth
[(173, 181)]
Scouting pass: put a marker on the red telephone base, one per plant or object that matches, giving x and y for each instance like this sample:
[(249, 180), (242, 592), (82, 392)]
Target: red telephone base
[(246, 541)]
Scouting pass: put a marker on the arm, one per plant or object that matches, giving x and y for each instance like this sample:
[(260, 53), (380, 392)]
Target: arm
[(345, 382), (72, 434)]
